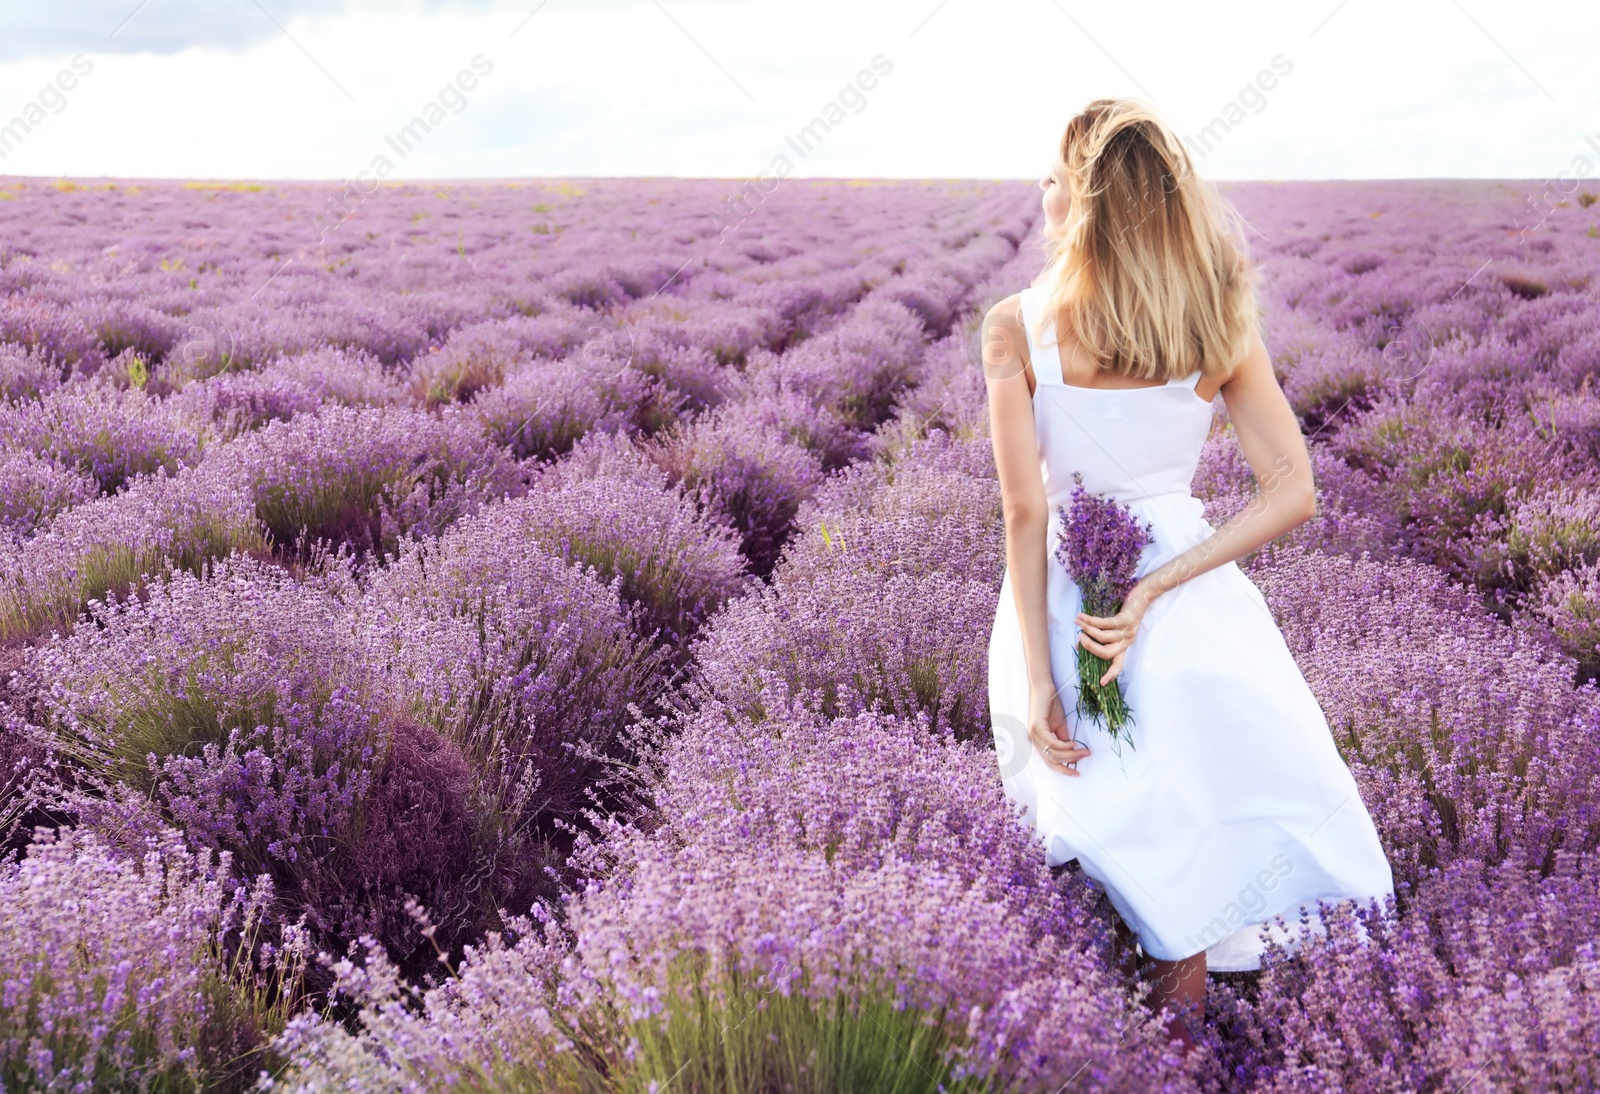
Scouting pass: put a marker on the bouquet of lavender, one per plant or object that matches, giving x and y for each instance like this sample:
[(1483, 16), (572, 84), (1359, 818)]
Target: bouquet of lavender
[(1100, 543)]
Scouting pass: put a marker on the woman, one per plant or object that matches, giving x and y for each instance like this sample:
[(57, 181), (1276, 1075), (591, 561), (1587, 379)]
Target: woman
[(1233, 806)]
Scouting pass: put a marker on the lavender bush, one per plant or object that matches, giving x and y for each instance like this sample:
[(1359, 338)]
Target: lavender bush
[(1488, 980), (544, 407), (232, 706), (891, 844), (365, 476), (110, 434), (111, 545), (34, 489), (1568, 605), (238, 402), (351, 377), (1466, 738), (526, 664), (743, 472), (872, 606), (126, 974), (25, 373), (608, 507)]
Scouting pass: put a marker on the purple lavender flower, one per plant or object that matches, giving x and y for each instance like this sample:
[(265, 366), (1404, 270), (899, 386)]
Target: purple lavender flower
[(115, 970), (1099, 543)]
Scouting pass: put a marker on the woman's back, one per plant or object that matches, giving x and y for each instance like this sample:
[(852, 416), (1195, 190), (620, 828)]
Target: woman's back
[(1140, 445)]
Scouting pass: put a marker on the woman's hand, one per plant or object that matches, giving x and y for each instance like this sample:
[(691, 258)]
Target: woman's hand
[(1110, 636), (1048, 732)]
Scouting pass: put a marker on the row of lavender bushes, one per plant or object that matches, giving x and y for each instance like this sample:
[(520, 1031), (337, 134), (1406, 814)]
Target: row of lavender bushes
[(382, 625), (1441, 343)]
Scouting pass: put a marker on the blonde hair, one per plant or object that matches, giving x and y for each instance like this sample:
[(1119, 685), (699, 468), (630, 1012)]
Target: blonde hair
[(1143, 271)]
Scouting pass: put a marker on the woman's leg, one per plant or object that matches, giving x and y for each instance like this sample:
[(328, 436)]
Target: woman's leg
[(1180, 990)]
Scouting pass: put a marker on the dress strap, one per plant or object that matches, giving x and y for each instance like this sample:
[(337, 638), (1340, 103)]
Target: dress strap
[(1026, 301), (1188, 381)]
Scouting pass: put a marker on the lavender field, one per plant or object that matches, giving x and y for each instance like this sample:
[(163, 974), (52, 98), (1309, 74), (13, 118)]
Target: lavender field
[(531, 637)]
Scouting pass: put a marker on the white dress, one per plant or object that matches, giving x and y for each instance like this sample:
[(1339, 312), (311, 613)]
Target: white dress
[(1233, 805)]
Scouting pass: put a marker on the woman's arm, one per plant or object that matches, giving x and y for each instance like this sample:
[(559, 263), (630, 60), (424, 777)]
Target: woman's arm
[(1270, 437), (1016, 457)]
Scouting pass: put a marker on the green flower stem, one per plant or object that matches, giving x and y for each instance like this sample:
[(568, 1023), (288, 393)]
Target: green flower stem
[(1103, 702)]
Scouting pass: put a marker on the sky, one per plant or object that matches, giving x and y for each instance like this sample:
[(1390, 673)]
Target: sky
[(291, 89)]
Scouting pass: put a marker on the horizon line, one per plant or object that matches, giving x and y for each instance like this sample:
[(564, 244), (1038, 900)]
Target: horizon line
[(222, 180)]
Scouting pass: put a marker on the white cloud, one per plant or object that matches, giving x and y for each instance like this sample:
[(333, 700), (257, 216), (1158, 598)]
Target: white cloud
[(133, 26), (687, 87)]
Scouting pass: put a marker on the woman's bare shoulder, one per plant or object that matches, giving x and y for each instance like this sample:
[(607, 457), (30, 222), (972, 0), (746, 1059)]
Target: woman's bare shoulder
[(1009, 307), (1253, 363), (1211, 384), (1005, 343)]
